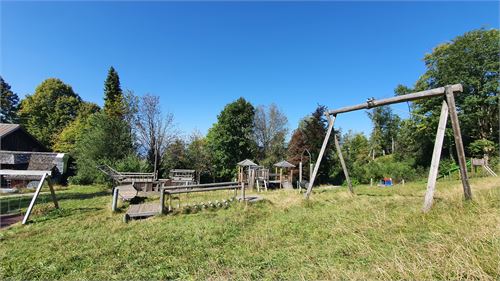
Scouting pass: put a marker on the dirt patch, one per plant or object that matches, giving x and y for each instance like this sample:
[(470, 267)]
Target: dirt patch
[(9, 219)]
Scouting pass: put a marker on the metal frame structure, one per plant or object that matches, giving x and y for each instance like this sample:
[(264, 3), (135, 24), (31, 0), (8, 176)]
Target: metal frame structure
[(448, 108)]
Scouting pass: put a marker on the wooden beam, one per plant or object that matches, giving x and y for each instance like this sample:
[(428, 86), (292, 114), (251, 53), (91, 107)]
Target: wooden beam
[(114, 202), (331, 121), (52, 192), (342, 162), (436, 156), (24, 173), (35, 196), (450, 99), (403, 98)]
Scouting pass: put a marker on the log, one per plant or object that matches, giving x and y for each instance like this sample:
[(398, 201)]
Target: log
[(436, 157), (331, 121), (403, 98)]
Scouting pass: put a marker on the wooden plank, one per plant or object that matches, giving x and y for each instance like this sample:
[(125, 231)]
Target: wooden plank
[(35, 196), (403, 98), (331, 121), (24, 173), (450, 98), (436, 157), (143, 210), (342, 162)]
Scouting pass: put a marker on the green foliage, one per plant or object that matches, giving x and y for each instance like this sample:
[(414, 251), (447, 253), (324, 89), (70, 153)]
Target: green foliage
[(132, 163), (114, 103), (67, 139), (175, 157), (9, 103), (230, 140), (270, 130), (386, 166), (479, 148), (385, 127), (198, 157), (470, 59), (106, 140), (49, 110)]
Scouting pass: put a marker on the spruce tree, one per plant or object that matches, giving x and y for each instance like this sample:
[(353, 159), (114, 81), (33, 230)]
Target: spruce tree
[(113, 95), (9, 102)]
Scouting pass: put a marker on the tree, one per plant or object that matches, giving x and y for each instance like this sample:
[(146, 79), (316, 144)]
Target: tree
[(175, 156), (9, 103), (66, 140), (230, 140), (385, 128), (113, 95), (270, 129), (49, 110), (106, 140), (310, 136), (155, 131), (198, 156), (472, 60)]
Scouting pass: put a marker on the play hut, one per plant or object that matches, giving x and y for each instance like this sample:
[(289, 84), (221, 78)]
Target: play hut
[(246, 172), (285, 178)]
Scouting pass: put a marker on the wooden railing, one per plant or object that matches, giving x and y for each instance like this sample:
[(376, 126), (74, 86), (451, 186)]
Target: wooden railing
[(167, 192)]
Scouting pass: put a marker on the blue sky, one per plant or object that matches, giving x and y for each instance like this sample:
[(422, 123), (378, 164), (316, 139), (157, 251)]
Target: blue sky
[(199, 56)]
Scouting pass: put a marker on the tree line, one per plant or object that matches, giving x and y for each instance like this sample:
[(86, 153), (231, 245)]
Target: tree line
[(131, 133)]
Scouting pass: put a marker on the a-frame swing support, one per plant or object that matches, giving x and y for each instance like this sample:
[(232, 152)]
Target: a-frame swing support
[(448, 108), (45, 176)]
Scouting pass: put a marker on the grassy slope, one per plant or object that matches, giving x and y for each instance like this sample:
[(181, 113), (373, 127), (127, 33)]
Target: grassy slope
[(380, 233)]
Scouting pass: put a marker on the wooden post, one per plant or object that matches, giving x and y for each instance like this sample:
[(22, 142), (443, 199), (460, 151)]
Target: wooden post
[(331, 121), (114, 201), (450, 99), (162, 201), (436, 156), (342, 162), (52, 192), (243, 191), (300, 172), (35, 196), (281, 177)]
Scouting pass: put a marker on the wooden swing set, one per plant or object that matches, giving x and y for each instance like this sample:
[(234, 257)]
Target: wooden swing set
[(448, 108)]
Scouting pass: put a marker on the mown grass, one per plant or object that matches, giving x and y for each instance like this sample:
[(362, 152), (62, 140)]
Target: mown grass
[(380, 233)]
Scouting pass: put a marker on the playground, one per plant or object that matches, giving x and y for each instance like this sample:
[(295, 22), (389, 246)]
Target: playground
[(378, 234)]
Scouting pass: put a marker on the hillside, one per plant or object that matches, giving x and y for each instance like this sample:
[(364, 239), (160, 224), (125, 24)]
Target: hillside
[(376, 234)]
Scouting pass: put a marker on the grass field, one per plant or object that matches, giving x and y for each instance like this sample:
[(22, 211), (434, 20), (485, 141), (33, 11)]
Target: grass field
[(380, 233)]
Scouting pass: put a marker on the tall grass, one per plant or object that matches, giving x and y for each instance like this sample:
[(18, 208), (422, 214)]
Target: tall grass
[(379, 233)]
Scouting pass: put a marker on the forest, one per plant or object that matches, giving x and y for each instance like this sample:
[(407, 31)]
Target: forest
[(132, 133)]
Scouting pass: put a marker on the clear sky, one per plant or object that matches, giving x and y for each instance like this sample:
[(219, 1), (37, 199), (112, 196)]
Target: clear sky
[(199, 56)]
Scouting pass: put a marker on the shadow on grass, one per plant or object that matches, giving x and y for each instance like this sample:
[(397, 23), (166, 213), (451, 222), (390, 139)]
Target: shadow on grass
[(8, 204), (60, 213)]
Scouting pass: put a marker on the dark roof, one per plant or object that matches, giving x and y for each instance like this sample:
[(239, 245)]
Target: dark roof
[(6, 129)]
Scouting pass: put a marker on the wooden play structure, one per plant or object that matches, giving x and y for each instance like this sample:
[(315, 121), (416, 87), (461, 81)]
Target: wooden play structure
[(182, 176), (481, 162), (285, 176), (447, 108), (247, 172), (185, 197), (43, 176)]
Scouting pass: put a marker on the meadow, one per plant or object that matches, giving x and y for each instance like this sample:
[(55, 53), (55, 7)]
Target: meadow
[(379, 233)]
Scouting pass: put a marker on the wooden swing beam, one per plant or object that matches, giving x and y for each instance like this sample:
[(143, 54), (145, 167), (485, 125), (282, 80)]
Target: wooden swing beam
[(448, 108)]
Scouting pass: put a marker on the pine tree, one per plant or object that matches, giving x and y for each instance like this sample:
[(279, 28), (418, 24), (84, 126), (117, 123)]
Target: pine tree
[(9, 102), (113, 95)]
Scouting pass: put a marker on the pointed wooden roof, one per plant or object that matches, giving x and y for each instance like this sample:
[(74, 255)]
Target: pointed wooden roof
[(284, 164), (246, 163)]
